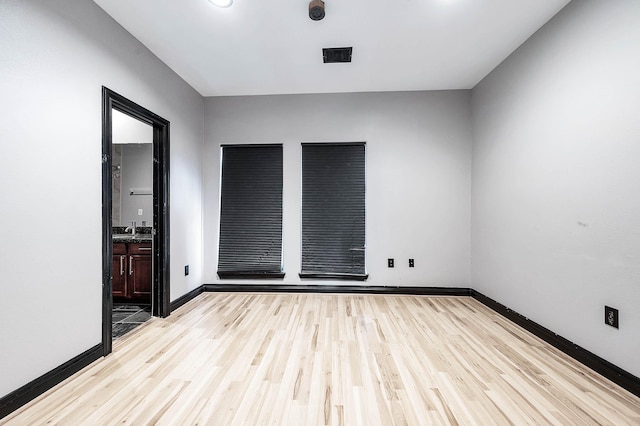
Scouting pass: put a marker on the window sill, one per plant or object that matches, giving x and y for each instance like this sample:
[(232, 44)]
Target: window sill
[(251, 275), (334, 276)]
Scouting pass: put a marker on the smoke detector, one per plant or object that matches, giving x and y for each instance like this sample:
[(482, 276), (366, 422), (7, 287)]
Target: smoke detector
[(316, 10)]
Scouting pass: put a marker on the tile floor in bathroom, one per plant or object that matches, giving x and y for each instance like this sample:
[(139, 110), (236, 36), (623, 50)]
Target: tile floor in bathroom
[(127, 317)]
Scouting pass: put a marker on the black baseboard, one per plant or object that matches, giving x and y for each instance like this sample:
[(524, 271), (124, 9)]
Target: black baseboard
[(424, 291), (35, 388), (612, 372), (185, 298)]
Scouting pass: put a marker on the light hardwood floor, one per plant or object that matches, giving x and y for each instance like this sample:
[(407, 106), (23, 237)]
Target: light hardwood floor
[(308, 359)]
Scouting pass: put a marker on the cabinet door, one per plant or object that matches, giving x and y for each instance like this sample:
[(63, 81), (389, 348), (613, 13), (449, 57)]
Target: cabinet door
[(140, 276), (119, 269)]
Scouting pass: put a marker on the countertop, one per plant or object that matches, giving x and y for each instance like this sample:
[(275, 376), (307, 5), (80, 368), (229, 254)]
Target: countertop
[(127, 238)]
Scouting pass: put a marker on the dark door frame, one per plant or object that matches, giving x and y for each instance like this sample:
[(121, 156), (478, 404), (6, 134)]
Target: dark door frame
[(160, 292)]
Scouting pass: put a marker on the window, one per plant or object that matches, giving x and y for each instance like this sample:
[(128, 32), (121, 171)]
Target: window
[(251, 212), (333, 211)]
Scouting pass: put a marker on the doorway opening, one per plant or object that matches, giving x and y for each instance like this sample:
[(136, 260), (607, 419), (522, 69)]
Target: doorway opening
[(132, 219), (141, 272)]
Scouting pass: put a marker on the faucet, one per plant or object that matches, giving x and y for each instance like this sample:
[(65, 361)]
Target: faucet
[(131, 228)]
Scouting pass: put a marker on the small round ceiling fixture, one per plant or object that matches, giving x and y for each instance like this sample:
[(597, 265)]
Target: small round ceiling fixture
[(316, 10), (221, 3)]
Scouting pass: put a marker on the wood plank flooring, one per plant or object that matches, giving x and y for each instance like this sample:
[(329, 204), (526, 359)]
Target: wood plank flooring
[(318, 359)]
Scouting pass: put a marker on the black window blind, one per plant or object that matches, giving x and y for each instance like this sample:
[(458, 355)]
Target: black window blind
[(251, 212), (333, 211)]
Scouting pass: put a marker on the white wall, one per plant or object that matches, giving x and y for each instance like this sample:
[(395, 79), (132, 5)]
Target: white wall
[(126, 129), (418, 175), (54, 58), (556, 178)]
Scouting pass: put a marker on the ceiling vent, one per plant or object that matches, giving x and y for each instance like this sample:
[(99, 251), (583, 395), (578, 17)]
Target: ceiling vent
[(336, 54)]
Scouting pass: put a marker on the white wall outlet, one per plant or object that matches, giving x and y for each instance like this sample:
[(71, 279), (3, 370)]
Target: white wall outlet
[(139, 212)]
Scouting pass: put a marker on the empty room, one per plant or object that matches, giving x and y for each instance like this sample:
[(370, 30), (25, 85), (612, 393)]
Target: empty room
[(307, 212)]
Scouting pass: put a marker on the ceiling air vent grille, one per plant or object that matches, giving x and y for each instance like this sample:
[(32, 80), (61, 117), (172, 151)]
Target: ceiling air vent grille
[(336, 54)]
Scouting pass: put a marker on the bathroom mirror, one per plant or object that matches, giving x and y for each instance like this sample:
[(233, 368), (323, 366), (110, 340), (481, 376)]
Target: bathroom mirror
[(132, 171)]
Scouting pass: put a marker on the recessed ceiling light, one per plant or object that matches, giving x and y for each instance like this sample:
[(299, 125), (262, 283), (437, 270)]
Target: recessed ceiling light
[(221, 3)]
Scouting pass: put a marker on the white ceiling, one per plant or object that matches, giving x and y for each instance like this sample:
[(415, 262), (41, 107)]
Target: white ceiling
[(258, 47)]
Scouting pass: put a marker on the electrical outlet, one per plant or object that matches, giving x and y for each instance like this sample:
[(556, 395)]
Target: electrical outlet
[(611, 316), (390, 263), (186, 270), (411, 263)]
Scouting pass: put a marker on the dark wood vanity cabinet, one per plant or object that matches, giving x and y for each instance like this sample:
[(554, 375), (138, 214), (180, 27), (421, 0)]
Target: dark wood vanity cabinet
[(119, 271), (139, 284), (132, 272)]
